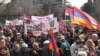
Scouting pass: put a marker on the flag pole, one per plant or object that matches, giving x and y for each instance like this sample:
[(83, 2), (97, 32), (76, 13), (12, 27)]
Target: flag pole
[(66, 3), (52, 52), (63, 5), (73, 26)]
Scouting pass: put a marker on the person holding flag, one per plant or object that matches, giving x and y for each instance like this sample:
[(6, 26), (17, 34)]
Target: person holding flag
[(53, 46)]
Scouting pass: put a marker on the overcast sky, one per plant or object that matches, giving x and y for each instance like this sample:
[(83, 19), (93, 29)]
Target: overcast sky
[(77, 3), (6, 1)]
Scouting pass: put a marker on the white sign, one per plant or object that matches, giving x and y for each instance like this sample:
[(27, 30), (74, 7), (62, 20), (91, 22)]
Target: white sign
[(44, 18), (17, 22), (38, 27), (35, 28), (8, 22)]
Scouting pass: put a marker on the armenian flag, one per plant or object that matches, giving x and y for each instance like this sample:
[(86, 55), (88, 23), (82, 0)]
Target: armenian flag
[(53, 45), (68, 11), (80, 17), (93, 21), (62, 24), (26, 17)]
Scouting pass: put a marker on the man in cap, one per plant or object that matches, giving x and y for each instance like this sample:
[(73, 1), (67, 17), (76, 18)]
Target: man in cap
[(25, 50), (46, 51)]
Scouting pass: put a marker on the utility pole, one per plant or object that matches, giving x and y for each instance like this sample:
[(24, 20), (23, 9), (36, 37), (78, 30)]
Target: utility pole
[(49, 3)]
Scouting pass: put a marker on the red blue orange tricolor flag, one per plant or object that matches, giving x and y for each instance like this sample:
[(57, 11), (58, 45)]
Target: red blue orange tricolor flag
[(62, 24), (26, 17), (80, 17), (53, 45), (66, 11)]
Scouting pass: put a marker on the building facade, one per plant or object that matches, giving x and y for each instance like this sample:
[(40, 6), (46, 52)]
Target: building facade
[(39, 7), (96, 7)]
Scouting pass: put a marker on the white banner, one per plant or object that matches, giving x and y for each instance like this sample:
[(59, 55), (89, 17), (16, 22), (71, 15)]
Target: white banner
[(35, 28), (17, 22), (20, 22), (8, 22), (51, 24), (14, 22), (38, 27), (44, 18)]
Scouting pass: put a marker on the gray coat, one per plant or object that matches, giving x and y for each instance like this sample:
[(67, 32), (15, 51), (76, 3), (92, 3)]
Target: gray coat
[(97, 51), (73, 48), (46, 52)]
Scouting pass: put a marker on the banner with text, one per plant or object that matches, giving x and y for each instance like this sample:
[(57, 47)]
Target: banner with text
[(37, 27)]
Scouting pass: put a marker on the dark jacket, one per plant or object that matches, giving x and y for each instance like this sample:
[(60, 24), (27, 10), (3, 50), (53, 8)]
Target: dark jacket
[(9, 45), (32, 53), (46, 52), (36, 53), (98, 51), (13, 53), (25, 52)]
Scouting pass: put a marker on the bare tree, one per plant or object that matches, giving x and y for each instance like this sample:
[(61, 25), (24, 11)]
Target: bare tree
[(12, 8), (2, 2), (2, 6)]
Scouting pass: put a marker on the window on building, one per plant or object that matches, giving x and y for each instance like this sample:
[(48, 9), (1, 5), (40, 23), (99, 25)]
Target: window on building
[(59, 0), (41, 0), (37, 1), (97, 15)]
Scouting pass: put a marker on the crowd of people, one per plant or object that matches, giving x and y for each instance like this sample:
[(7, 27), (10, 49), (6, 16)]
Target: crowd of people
[(81, 42)]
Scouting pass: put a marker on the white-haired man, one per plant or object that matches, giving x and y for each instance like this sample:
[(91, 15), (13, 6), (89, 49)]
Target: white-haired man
[(95, 39), (46, 51)]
